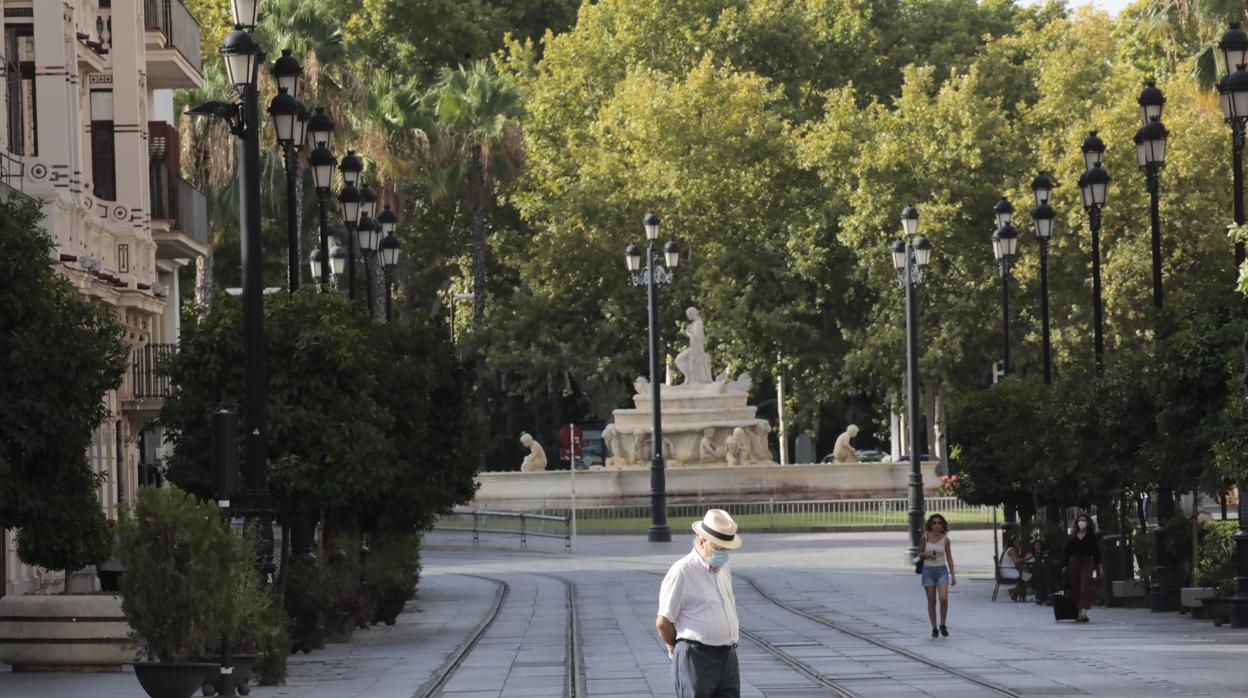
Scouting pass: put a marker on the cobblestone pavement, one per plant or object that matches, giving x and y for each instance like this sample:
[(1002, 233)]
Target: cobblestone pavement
[(822, 614)]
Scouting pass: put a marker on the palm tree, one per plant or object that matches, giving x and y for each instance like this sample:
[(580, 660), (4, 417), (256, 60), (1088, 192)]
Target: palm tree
[(472, 148)]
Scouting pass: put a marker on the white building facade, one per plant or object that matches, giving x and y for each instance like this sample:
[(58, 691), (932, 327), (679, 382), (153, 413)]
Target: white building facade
[(89, 129)]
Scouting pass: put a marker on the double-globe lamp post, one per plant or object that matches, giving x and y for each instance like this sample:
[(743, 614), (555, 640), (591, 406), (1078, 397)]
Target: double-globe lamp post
[(1150, 150), (1042, 217), (388, 250), (910, 256), (652, 276), (322, 163), (1005, 248), (1094, 187), (243, 56), (1234, 98), (290, 124)]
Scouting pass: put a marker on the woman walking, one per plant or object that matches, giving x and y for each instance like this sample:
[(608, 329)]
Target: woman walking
[(1082, 555), (938, 572)]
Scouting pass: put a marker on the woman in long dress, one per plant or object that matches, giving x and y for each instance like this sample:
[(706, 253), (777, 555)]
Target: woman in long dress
[(694, 363)]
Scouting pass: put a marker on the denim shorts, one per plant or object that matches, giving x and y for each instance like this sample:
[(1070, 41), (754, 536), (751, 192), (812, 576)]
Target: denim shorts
[(935, 576)]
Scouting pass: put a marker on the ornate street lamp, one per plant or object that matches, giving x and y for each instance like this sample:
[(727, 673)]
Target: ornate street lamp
[(288, 74), (910, 256), (285, 111), (1005, 248), (389, 253), (1042, 217), (1094, 188), (651, 278), (322, 162)]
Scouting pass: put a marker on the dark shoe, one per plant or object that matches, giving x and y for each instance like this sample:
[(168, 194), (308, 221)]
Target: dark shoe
[(944, 631), (935, 632), (1083, 619)]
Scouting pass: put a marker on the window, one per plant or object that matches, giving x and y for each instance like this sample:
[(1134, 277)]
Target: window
[(103, 150), (19, 77)]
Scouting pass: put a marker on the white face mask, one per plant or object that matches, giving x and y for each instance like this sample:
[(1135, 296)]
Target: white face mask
[(1083, 525)]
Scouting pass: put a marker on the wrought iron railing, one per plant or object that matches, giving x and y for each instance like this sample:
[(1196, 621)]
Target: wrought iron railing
[(148, 377), (523, 524), (766, 515), (178, 25)]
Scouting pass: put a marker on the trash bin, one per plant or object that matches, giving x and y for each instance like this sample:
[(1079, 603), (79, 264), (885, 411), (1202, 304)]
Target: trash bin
[(1116, 559)]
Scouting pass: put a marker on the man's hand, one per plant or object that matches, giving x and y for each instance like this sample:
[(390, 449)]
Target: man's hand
[(667, 634)]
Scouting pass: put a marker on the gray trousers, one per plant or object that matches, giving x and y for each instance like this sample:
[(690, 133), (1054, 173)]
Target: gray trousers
[(705, 673)]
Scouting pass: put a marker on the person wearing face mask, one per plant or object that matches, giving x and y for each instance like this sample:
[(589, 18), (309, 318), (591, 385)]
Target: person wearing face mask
[(697, 620), (1082, 555)]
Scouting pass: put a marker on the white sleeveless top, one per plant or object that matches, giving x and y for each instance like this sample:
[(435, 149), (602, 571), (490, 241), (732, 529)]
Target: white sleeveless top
[(939, 549)]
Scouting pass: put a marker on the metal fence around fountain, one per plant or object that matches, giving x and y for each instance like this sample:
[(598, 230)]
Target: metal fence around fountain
[(757, 516)]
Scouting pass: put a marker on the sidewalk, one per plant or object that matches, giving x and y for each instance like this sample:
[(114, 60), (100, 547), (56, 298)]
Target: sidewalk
[(856, 581)]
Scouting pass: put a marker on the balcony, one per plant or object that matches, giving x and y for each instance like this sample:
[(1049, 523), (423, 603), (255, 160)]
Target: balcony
[(179, 211), (148, 382), (148, 378), (172, 39)]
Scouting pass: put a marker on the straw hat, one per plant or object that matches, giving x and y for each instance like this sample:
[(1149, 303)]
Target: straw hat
[(718, 528)]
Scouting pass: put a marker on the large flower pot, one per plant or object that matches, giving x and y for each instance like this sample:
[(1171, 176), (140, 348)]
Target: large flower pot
[(306, 636), (338, 627), (1218, 609), (171, 679), (388, 610), (241, 664), (64, 633)]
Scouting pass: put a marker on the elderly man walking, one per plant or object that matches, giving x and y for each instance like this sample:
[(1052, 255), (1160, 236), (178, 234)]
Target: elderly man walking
[(698, 613)]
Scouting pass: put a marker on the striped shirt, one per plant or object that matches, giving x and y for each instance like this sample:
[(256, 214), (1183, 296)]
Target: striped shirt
[(699, 602)]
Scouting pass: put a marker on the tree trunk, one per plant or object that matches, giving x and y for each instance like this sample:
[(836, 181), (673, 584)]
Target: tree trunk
[(299, 222), (480, 250), (203, 280)]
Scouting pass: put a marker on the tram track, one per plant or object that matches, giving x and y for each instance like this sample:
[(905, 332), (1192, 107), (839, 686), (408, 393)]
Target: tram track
[(444, 673), (574, 674), (995, 688)]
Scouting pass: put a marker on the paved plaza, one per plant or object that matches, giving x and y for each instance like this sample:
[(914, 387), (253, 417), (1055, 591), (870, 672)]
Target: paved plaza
[(822, 614)]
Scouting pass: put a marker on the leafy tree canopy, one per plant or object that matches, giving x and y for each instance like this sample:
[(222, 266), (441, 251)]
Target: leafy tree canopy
[(61, 355)]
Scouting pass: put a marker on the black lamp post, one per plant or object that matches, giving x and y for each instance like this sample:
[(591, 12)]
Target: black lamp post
[(322, 162), (1042, 216), (243, 56), (651, 278), (1234, 98), (349, 197), (389, 253), (366, 225), (1150, 149), (291, 131), (368, 234), (1005, 248), (910, 257), (1094, 187)]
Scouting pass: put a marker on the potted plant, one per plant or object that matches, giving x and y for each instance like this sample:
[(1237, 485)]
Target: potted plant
[(246, 612), (1216, 569), (176, 591), (392, 571), (307, 601), (342, 585)]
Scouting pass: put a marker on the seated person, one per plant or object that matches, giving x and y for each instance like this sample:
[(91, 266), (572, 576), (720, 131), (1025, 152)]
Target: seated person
[(1015, 566)]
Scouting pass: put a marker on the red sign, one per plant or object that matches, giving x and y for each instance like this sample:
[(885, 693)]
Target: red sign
[(570, 442)]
